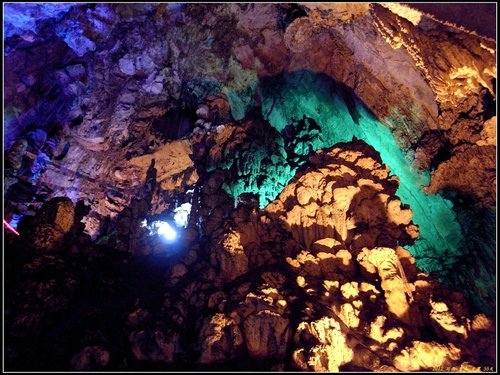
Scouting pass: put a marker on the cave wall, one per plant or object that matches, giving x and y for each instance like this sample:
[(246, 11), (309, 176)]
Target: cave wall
[(234, 102), (315, 281)]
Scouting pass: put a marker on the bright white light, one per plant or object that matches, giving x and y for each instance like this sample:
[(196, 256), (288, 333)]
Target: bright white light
[(181, 214), (166, 230), (160, 227)]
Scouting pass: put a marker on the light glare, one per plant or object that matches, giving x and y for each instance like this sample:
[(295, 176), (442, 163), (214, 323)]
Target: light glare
[(182, 214), (166, 230)]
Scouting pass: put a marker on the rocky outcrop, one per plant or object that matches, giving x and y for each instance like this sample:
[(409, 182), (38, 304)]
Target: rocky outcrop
[(335, 293), (349, 201), (331, 281), (296, 252), (111, 93), (474, 183), (221, 340), (47, 231)]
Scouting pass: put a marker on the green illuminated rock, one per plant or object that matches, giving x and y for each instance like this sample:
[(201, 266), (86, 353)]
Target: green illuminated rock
[(341, 117), (309, 112)]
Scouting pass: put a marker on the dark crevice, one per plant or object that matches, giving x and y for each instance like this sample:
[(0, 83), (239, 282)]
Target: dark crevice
[(287, 13), (489, 103), (175, 124)]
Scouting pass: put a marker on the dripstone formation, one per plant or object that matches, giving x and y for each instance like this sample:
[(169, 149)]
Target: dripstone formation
[(333, 166)]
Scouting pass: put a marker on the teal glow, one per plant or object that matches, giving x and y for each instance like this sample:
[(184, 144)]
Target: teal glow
[(260, 167), (241, 101), (318, 97)]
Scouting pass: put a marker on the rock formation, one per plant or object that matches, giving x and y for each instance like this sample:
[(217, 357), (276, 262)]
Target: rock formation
[(317, 281), (333, 165)]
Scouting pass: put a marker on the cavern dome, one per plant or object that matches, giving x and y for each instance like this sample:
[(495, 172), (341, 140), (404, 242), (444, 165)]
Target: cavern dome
[(249, 187)]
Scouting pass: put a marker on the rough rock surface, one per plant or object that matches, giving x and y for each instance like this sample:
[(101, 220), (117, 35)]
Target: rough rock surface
[(149, 106), (271, 285), (109, 98)]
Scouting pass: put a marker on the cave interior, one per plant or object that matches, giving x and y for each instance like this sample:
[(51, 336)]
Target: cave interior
[(249, 187)]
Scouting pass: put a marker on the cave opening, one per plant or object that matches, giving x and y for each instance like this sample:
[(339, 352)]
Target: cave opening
[(175, 124)]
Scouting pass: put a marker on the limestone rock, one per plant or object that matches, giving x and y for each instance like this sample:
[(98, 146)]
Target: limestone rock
[(48, 237), (473, 182), (266, 335), (315, 272), (394, 282), (328, 347), (231, 257), (155, 346), (127, 66), (60, 212), (426, 356), (325, 244), (91, 358), (358, 211), (220, 340)]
